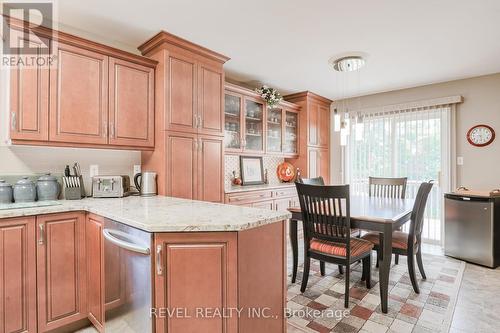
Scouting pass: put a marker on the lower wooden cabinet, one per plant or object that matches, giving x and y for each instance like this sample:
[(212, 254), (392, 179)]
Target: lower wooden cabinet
[(94, 242), (18, 275), (196, 271), (279, 198), (61, 271)]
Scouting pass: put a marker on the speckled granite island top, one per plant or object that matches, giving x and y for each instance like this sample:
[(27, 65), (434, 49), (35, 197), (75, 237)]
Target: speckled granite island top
[(163, 214)]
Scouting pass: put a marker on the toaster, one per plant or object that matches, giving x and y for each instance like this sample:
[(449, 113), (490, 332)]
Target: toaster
[(110, 186)]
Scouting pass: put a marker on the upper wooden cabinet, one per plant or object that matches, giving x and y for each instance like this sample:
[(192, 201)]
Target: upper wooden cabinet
[(189, 85), (18, 275), (193, 79), (252, 127), (131, 104), (313, 135), (29, 100), (62, 292), (79, 96), (91, 96)]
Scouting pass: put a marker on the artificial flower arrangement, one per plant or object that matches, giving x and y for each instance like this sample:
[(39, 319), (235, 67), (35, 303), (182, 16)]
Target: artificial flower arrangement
[(270, 95)]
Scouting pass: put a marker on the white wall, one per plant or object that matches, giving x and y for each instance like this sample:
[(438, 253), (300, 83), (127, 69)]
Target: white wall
[(481, 106)]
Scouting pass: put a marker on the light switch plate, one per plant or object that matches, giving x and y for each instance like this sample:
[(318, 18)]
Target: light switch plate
[(137, 169), (460, 160), (93, 170)]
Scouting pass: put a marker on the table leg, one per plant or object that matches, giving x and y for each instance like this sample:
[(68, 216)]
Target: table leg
[(294, 242), (385, 266)]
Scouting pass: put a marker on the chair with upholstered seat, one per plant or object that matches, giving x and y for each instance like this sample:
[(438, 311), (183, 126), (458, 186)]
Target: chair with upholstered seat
[(409, 244), (354, 232), (327, 231), (387, 188)]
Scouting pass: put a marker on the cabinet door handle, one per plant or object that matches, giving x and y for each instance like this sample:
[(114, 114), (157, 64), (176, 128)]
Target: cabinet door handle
[(195, 144), (195, 121), (13, 121), (111, 130), (41, 234), (159, 267), (104, 129), (201, 145), (200, 121)]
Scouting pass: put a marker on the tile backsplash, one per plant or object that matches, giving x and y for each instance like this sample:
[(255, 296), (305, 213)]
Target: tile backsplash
[(232, 162)]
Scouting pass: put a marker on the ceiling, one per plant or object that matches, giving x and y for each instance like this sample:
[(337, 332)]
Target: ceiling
[(287, 43)]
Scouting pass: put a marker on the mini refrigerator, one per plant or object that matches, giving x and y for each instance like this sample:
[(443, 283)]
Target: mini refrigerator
[(472, 226)]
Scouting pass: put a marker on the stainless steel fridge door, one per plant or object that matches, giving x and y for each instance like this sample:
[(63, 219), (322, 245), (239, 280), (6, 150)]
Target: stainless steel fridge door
[(469, 229)]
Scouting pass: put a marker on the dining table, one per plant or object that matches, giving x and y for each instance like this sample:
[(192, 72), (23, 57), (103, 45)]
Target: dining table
[(382, 215)]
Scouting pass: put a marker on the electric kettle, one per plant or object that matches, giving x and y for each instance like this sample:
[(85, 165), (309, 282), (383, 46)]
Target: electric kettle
[(145, 182)]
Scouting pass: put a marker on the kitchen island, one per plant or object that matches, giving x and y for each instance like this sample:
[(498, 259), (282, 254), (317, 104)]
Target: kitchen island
[(212, 267)]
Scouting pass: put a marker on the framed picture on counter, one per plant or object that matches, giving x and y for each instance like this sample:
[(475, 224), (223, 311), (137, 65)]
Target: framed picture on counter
[(252, 170)]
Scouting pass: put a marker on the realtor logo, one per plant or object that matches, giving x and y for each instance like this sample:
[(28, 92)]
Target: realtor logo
[(23, 45)]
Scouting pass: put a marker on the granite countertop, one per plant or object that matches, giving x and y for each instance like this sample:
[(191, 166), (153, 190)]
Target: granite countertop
[(239, 188), (163, 214)]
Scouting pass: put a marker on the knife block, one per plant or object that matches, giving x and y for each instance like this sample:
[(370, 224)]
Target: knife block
[(76, 192)]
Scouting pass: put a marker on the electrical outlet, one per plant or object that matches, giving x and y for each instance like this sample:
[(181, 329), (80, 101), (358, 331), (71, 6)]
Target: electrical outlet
[(93, 170), (460, 160), (137, 169)]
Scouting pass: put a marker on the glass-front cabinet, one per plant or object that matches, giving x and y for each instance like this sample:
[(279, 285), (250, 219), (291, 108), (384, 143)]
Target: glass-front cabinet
[(250, 126), (274, 130), (254, 125), (291, 132), (233, 121)]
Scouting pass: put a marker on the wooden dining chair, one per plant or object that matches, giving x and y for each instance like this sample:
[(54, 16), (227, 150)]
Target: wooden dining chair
[(409, 244), (354, 232), (327, 231), (387, 188)]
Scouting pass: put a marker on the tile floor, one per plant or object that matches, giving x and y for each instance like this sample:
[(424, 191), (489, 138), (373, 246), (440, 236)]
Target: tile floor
[(455, 298)]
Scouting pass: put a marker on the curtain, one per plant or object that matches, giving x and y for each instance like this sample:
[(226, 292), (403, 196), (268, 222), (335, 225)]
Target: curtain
[(413, 143)]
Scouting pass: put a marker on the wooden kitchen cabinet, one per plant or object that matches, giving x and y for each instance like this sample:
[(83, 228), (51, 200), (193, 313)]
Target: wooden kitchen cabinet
[(318, 162), (194, 167), (188, 156), (79, 96), (92, 95), (211, 169), (196, 270), (29, 99), (61, 270), (194, 82), (251, 127), (275, 198), (131, 104), (18, 275), (313, 135), (210, 97), (94, 243), (181, 165)]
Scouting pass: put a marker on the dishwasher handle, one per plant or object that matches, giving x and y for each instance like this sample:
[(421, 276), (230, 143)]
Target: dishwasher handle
[(110, 234)]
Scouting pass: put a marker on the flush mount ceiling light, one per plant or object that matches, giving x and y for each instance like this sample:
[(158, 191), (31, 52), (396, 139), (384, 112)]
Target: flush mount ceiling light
[(348, 63)]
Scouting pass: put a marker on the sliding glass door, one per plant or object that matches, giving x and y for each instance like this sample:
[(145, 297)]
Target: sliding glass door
[(409, 143)]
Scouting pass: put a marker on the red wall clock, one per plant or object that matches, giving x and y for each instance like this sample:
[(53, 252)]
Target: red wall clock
[(480, 135)]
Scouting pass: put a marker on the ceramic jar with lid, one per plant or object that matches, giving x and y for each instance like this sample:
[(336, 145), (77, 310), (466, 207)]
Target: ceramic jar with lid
[(24, 190), (5, 192), (47, 187)]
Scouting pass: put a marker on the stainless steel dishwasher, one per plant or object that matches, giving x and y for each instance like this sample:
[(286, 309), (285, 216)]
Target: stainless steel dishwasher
[(127, 275), (472, 227)]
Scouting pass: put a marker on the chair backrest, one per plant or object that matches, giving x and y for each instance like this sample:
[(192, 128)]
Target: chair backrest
[(325, 213), (387, 187), (311, 181), (417, 214)]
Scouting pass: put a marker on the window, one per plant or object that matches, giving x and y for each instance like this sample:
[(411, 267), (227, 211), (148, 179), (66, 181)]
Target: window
[(409, 143)]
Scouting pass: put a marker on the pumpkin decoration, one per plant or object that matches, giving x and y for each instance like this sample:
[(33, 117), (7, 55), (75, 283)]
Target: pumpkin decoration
[(286, 172)]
